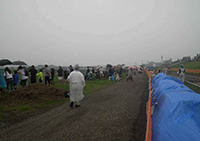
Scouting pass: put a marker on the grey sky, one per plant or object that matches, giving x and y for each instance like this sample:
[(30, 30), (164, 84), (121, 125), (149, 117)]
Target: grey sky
[(97, 32)]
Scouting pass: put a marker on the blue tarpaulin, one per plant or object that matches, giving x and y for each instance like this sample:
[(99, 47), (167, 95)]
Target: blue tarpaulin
[(176, 114)]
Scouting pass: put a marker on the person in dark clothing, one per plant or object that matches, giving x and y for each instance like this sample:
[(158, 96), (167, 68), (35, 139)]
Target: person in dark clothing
[(47, 75), (71, 68), (98, 73), (52, 76), (110, 72), (120, 72), (60, 74), (33, 72), (87, 72), (66, 72)]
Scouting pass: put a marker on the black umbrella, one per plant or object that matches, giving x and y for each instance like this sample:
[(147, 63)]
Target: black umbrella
[(4, 62), (109, 66), (19, 63)]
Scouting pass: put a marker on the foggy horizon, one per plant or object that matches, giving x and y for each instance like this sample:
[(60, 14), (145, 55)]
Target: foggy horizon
[(92, 32)]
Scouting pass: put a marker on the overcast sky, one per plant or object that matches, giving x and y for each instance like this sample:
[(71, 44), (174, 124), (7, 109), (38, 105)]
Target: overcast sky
[(97, 32)]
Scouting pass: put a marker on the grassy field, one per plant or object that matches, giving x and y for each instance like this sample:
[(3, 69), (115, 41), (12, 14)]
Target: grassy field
[(188, 65), (192, 87), (91, 85)]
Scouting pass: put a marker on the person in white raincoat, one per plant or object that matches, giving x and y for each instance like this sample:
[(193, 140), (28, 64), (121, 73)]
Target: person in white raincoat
[(77, 84)]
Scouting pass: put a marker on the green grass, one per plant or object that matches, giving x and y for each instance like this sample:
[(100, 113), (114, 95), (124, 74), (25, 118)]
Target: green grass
[(192, 87), (91, 85), (10, 111), (188, 65)]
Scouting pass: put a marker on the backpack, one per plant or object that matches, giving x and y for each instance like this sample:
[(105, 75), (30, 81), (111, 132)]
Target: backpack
[(26, 72)]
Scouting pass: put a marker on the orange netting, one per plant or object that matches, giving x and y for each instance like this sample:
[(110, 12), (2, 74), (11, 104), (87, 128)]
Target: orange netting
[(195, 71), (148, 113), (188, 70)]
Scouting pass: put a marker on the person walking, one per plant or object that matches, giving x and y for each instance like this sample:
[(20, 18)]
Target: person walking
[(33, 72), (9, 79), (60, 75), (130, 75), (24, 75), (182, 73), (47, 75), (118, 77), (77, 84)]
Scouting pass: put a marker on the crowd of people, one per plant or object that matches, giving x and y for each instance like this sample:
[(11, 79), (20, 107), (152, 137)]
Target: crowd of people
[(72, 75), (22, 76), (100, 73), (166, 71)]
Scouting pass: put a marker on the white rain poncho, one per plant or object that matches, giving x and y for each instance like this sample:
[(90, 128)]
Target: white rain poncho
[(77, 83)]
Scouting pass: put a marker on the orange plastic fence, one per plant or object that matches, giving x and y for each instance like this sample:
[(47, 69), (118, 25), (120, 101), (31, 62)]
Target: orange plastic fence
[(195, 71), (148, 113)]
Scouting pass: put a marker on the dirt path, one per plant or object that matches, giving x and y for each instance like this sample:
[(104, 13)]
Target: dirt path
[(115, 113)]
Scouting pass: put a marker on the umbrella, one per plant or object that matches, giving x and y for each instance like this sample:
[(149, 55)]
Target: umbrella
[(118, 67), (109, 66), (19, 63), (4, 62), (132, 67), (138, 67)]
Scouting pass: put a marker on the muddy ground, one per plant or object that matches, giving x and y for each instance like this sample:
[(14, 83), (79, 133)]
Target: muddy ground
[(34, 93), (114, 113)]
